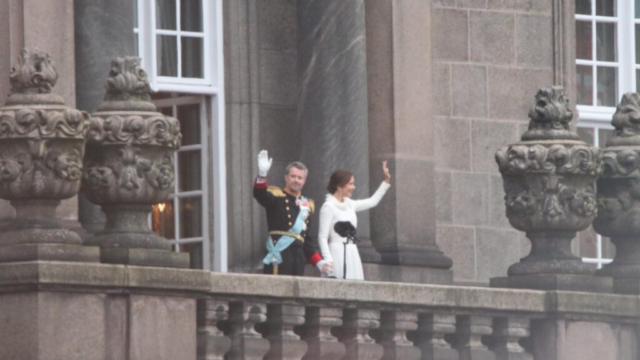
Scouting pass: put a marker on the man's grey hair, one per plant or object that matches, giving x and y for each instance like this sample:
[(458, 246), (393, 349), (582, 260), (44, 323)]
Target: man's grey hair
[(298, 165)]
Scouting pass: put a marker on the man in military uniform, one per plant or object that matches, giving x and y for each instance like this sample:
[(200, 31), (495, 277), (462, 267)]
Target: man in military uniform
[(289, 246)]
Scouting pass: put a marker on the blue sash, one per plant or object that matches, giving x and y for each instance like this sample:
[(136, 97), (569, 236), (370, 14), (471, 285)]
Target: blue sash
[(273, 250)]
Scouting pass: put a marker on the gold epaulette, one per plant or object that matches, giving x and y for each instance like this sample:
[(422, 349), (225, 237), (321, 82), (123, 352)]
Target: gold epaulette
[(312, 206), (275, 191)]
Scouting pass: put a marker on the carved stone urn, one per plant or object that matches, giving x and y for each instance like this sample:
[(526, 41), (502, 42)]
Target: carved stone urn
[(549, 181), (129, 167), (41, 148), (619, 196)]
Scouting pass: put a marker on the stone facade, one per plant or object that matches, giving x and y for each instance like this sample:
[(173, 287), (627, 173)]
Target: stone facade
[(490, 58)]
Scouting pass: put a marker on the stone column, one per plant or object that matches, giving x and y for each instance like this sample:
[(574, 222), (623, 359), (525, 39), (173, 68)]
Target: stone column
[(103, 31), (401, 130), (332, 106)]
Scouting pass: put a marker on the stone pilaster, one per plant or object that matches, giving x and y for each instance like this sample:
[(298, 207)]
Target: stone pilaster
[(401, 130), (332, 107)]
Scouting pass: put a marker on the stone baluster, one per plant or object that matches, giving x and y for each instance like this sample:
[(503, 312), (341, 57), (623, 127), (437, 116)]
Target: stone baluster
[(212, 343), (354, 334), (430, 336), (469, 332), (42, 143), (507, 332), (549, 181), (393, 335), (284, 343), (321, 344), (246, 342), (619, 197)]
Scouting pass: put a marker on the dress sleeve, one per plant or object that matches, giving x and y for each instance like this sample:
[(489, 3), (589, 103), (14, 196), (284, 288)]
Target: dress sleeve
[(260, 192), (366, 204), (324, 228)]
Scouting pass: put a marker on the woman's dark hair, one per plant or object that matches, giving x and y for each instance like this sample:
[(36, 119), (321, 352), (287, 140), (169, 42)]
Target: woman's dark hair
[(339, 178)]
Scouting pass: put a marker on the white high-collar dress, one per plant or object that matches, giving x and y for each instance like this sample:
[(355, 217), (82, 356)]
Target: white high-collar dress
[(332, 245)]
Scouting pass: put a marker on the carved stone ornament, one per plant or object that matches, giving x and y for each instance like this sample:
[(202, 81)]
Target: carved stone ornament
[(129, 165), (549, 181), (619, 191), (41, 149)]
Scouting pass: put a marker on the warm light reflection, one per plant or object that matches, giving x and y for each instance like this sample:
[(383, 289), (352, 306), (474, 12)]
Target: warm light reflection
[(161, 207)]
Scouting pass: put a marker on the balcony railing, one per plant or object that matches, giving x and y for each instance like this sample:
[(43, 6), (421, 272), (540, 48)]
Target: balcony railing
[(269, 317)]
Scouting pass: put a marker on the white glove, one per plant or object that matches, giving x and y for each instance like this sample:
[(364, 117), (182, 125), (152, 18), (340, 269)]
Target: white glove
[(321, 264), (264, 163)]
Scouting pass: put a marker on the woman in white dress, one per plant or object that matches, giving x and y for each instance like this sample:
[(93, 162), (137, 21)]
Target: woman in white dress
[(339, 206)]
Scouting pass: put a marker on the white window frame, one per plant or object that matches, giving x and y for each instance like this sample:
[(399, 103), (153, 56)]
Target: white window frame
[(598, 118), (213, 87)]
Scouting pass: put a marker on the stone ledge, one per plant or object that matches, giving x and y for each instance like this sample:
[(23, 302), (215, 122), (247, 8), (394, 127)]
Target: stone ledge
[(415, 295), (103, 275), (205, 283)]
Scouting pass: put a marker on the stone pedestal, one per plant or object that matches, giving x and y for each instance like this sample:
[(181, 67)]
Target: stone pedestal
[(58, 310), (333, 101), (401, 130)]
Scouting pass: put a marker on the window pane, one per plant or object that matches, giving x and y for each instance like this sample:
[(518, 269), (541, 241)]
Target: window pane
[(192, 57), (637, 9), (608, 249), (588, 243), (135, 13), (584, 50), (167, 55), (606, 8), (189, 164), (190, 217), (603, 136), (195, 254), (586, 135), (585, 85), (607, 86), (637, 36), (191, 15), (189, 116), (162, 220), (637, 80), (166, 14), (606, 41), (583, 7)]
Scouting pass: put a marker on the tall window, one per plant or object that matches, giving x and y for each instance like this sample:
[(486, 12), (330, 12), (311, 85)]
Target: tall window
[(180, 43), (607, 65)]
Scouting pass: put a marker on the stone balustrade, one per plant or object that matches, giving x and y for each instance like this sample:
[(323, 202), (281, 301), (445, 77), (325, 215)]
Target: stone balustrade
[(267, 317)]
